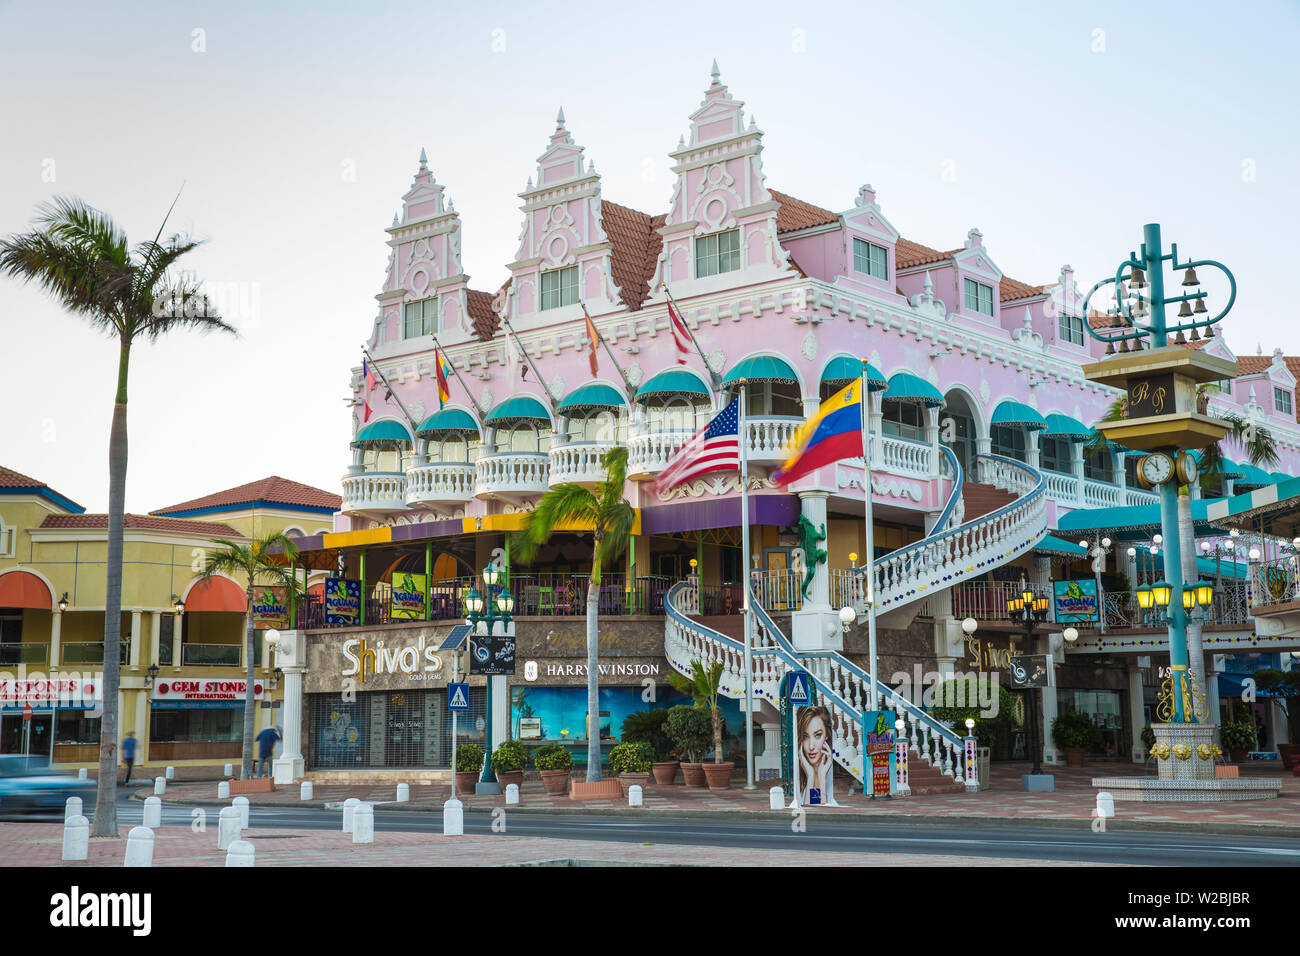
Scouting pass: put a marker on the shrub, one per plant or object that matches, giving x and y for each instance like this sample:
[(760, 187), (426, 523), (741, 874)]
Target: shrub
[(552, 757), (631, 758), (986, 728), (1074, 730), (691, 729), (1238, 735), (469, 757), (1148, 737), (647, 726), (510, 756)]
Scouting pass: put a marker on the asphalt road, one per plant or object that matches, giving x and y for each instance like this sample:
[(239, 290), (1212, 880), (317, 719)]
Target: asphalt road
[(1078, 844)]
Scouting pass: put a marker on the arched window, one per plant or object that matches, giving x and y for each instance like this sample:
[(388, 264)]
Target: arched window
[(1010, 442), (388, 458), (453, 448), (1099, 467), (520, 438), (294, 533), (676, 413), (1055, 454), (903, 419), (774, 398), (597, 424)]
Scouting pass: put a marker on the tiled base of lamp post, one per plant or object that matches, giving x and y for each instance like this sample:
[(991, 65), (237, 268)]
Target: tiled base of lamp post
[(1185, 758)]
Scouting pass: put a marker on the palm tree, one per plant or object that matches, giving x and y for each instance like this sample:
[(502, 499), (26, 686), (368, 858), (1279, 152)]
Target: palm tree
[(255, 563), (703, 686), (82, 258), (612, 518)]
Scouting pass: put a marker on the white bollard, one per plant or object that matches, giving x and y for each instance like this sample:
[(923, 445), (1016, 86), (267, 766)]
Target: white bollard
[(228, 829), (634, 795), (72, 808), (76, 838), (512, 793), (159, 785), (229, 770), (305, 791), (349, 810), (776, 799), (139, 847), (403, 793), (152, 812), (240, 853), (171, 773), (241, 804), (1105, 804), (223, 790), (363, 824), (453, 818), (81, 774)]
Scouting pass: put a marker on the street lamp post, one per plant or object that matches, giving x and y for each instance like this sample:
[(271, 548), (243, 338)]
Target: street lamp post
[(1029, 610), (482, 612), (1098, 551)]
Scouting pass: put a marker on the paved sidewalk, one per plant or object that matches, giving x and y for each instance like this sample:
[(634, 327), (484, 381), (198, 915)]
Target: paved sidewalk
[(1071, 803)]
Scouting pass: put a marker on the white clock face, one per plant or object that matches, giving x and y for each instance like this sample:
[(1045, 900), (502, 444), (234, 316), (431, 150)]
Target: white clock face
[(1189, 467), (1157, 469)]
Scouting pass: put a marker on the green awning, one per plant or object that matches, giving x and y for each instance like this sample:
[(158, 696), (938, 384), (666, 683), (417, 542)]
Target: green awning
[(843, 370), (1227, 467), (1280, 476), (1132, 522), (1063, 426), (761, 368), (448, 420), (518, 408), (1060, 546), (385, 430), (675, 381), (1018, 414), (592, 395), (906, 387), (1255, 476)]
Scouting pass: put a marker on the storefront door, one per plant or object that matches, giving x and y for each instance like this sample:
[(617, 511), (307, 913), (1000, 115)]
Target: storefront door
[(15, 738), (404, 740)]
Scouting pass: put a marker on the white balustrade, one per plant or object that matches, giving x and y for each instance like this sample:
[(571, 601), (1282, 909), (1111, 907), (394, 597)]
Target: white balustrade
[(511, 475), (1061, 488), (903, 457), (374, 491), (579, 462), (648, 453), (1100, 494), (769, 439), (439, 484)]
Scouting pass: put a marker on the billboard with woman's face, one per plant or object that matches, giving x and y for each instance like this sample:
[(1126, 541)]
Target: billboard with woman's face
[(814, 760)]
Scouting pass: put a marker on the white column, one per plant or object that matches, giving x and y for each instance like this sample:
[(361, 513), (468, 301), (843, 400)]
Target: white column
[(500, 710), (155, 635), (932, 436), (876, 419), (1212, 671), (137, 636), (816, 626), (1135, 712), (1076, 468), (141, 724), (56, 630), (1031, 448), (1121, 477), (288, 767), (1047, 697), (178, 645)]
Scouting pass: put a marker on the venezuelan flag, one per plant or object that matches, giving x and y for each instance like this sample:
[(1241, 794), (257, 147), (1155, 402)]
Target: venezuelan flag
[(444, 370), (834, 433)]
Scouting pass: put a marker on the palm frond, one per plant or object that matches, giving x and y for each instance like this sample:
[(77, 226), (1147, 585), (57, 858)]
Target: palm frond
[(562, 504), (1116, 411)]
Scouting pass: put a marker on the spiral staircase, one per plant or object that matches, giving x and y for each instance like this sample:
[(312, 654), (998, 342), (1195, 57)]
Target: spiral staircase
[(953, 552)]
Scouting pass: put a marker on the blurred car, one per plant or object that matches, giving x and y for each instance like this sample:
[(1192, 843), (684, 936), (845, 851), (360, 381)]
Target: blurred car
[(28, 785)]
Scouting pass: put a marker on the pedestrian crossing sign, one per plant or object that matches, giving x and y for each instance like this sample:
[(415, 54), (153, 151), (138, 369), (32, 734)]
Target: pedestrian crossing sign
[(797, 688), (458, 696)]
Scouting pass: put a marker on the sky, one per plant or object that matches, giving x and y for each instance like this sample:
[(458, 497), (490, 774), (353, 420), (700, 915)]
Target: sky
[(290, 132)]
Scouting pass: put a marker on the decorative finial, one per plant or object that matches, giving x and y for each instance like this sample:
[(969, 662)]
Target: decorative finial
[(1029, 319), (928, 285), (559, 118), (451, 204), (530, 186), (396, 221), (753, 122), (714, 72), (591, 167), (681, 141), (424, 160)]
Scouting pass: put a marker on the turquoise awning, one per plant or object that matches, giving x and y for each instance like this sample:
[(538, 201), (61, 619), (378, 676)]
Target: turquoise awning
[(518, 408), (675, 381), (1253, 475), (592, 395), (843, 370), (1277, 504), (761, 368), (386, 430), (1133, 522), (1018, 414), (1063, 426), (906, 387), (1060, 546), (448, 420), (1227, 467), (1280, 476)]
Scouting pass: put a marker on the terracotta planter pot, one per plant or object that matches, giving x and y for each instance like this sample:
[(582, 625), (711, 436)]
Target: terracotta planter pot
[(665, 774), (507, 777), (556, 782), (626, 780), (693, 774), (465, 780), (719, 774), (1074, 756)]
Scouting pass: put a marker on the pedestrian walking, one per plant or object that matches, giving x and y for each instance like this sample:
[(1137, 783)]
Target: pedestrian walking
[(128, 753), (266, 742)]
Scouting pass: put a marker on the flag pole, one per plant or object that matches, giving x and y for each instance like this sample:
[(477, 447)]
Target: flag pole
[(745, 582), (456, 372), (870, 537), (529, 359), (388, 385), (717, 382), (623, 375)]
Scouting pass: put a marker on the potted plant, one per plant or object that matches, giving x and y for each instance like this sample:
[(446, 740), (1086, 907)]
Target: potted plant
[(1074, 733), (469, 761), (689, 729), (1238, 737), (508, 763), (703, 685), (632, 761), (554, 762), (1148, 737), (647, 726)]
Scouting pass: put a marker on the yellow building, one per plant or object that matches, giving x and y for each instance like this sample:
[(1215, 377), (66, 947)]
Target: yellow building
[(183, 640)]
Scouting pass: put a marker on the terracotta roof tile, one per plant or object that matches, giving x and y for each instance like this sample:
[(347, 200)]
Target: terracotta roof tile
[(482, 315), (275, 490), (908, 253), (143, 523), (13, 479), (1253, 364), (635, 244), (795, 214), (1009, 290)]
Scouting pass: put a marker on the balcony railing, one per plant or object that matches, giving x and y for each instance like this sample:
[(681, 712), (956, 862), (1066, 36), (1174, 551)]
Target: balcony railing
[(902, 456), (12, 655), (439, 485), (1275, 582), (511, 475), (382, 492), (648, 454), (90, 652), (769, 438), (210, 655), (1228, 608), (579, 462), (987, 600)]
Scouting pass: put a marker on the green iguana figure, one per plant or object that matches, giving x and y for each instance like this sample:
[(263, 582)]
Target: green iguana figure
[(809, 537)]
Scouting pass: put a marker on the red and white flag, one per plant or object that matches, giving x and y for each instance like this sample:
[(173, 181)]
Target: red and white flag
[(681, 334), (715, 447), (369, 374)]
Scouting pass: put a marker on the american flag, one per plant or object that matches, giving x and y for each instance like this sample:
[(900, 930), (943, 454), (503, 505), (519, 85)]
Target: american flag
[(715, 447), (681, 334)]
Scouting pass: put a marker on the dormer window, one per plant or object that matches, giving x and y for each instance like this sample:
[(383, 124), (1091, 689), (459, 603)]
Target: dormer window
[(560, 287), (979, 297), (870, 259), (717, 253), (1070, 329), (420, 318), (1282, 401)]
